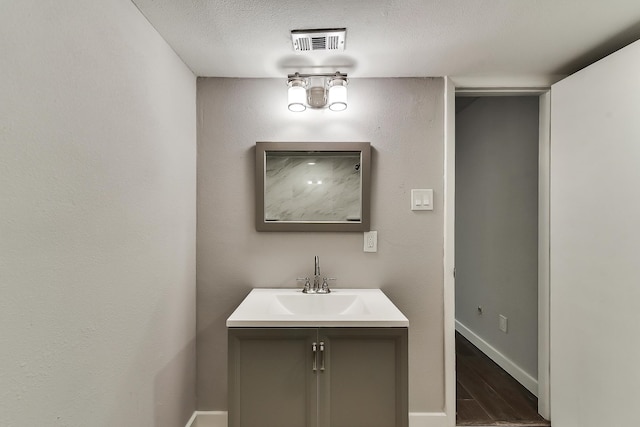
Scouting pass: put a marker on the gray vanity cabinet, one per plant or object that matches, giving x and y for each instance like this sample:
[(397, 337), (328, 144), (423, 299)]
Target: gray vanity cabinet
[(365, 381), (271, 381), (318, 377)]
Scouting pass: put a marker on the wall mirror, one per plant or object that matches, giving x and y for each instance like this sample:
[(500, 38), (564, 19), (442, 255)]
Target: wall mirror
[(313, 186)]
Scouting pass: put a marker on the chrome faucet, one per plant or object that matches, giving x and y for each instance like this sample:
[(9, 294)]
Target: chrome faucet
[(316, 275), (318, 286)]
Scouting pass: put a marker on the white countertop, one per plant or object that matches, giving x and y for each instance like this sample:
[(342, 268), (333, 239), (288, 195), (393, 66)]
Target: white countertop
[(281, 307)]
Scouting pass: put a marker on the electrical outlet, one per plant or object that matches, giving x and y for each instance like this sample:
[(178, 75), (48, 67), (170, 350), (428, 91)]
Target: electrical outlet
[(371, 241), (502, 323)]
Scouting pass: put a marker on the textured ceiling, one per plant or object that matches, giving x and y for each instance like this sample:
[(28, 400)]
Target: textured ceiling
[(528, 40)]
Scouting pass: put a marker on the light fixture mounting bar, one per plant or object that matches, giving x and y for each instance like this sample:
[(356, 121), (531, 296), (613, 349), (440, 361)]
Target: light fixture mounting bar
[(306, 76)]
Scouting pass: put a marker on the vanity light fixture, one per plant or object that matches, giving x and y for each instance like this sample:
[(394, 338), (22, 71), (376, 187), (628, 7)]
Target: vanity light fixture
[(317, 91)]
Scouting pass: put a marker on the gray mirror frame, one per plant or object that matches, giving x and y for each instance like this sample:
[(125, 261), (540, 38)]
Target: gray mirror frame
[(365, 170)]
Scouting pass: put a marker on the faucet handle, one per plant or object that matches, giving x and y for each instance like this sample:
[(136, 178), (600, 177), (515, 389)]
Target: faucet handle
[(325, 285), (307, 284)]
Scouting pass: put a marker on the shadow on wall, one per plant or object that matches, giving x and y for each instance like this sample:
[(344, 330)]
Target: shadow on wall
[(174, 389), (621, 39), (209, 339)]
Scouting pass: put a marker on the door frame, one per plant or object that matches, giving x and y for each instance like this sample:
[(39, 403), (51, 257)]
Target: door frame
[(543, 239)]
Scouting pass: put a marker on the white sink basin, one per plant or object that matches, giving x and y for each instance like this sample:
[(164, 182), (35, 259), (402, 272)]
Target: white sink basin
[(340, 308), (303, 304)]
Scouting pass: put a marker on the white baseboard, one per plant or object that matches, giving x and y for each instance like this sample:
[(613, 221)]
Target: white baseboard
[(428, 419), (192, 420), (504, 362), (219, 419), (208, 419)]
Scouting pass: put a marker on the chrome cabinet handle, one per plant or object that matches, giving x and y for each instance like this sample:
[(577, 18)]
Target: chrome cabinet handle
[(322, 355), (314, 350)]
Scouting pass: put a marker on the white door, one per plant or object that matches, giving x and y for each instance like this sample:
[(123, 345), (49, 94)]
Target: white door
[(595, 244)]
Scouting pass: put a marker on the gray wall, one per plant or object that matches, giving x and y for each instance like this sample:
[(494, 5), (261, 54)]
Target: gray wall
[(497, 224), (595, 242), (403, 120), (97, 228)]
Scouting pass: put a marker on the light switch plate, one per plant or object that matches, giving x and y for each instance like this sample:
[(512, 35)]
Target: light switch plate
[(421, 200)]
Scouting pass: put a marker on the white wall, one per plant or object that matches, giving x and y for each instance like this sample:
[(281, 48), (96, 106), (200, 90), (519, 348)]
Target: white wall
[(595, 242), (403, 120), (97, 218), (497, 225)]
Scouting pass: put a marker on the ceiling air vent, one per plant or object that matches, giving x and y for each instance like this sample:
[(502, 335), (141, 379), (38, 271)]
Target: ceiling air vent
[(312, 40)]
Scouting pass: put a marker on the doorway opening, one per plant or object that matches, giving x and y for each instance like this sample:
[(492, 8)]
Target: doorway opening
[(497, 152)]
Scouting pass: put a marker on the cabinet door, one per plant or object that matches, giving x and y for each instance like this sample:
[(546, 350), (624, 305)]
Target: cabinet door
[(271, 378), (364, 383)]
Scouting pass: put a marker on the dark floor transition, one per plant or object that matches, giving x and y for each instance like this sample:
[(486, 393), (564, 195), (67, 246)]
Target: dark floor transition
[(488, 396)]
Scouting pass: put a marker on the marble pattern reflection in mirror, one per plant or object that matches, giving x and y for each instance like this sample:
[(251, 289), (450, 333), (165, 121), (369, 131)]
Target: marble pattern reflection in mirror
[(312, 186)]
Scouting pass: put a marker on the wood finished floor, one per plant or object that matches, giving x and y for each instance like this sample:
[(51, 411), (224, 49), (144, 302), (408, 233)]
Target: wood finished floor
[(487, 396)]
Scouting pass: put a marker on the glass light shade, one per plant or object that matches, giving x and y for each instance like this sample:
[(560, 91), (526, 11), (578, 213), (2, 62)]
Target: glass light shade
[(338, 97), (297, 96)]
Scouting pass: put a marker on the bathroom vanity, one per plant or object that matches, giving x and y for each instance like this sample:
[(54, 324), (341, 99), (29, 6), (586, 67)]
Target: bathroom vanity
[(330, 360)]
